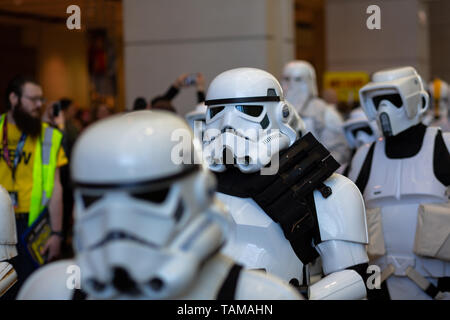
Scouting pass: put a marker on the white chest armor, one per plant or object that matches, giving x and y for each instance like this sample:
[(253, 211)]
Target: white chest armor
[(257, 242), (398, 186)]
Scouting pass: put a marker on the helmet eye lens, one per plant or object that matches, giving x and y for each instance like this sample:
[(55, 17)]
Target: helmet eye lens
[(254, 111), (367, 130), (158, 196), (214, 110), (89, 200), (395, 99)]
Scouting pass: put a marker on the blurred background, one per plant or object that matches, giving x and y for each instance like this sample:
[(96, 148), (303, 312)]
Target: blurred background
[(131, 48)]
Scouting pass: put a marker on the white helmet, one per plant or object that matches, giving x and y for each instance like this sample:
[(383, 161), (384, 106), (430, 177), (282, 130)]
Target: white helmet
[(143, 219), (439, 93), (248, 116), (8, 236), (395, 98), (198, 114), (299, 83), (359, 130), (196, 120)]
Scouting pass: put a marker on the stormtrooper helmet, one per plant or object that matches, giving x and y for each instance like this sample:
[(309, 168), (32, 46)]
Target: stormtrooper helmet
[(248, 121), (395, 98), (359, 130), (196, 120), (439, 94), (299, 83), (143, 219)]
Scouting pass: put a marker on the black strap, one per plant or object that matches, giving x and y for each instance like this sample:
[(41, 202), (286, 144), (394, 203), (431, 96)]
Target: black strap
[(444, 284), (432, 291), (364, 173), (228, 289), (79, 294), (287, 197), (242, 100), (441, 160), (372, 294)]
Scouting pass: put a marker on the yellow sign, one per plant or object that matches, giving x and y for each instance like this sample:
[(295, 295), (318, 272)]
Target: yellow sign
[(346, 84)]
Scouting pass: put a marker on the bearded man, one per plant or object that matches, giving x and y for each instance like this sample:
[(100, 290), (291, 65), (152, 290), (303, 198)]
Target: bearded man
[(31, 155)]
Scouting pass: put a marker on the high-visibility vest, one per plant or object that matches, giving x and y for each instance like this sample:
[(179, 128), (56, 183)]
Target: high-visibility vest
[(44, 168)]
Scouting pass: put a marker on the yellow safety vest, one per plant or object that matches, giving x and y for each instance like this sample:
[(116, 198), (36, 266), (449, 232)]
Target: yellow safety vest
[(44, 168)]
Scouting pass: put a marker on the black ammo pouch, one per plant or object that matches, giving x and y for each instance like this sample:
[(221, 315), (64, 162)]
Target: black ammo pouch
[(287, 197)]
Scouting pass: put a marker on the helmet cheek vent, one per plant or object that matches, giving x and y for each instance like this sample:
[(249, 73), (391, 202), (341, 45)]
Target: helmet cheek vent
[(179, 212)]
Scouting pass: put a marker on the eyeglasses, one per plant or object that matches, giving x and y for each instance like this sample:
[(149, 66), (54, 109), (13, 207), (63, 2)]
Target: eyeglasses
[(36, 99)]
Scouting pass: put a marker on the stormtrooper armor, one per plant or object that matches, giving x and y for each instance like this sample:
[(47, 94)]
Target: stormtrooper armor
[(397, 173), (240, 102), (438, 115), (322, 120), (196, 120), (359, 130), (8, 241), (198, 114), (147, 225)]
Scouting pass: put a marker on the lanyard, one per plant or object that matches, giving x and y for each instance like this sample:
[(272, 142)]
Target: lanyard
[(17, 154)]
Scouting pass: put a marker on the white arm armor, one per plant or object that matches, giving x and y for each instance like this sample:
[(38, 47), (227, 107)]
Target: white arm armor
[(342, 285), (8, 236), (258, 285), (343, 231), (49, 282), (341, 216)]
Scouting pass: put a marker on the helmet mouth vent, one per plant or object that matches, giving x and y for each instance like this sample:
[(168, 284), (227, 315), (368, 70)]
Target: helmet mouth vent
[(385, 124), (156, 284), (228, 157), (123, 283)]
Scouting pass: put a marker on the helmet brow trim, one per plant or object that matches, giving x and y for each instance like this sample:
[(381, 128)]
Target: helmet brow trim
[(242, 100), (131, 185)]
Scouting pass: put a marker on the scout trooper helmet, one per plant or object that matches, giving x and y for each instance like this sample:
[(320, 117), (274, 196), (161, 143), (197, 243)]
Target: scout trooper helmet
[(395, 98), (359, 130), (299, 83), (143, 216), (248, 120), (439, 96)]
